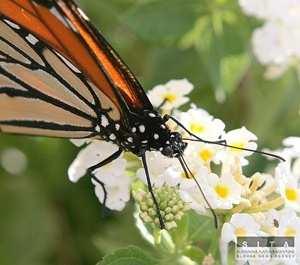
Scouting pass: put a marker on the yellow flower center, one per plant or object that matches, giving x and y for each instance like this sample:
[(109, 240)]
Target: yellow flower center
[(240, 231), (170, 97), (291, 194), (206, 154), (290, 231), (197, 127), (222, 190), (238, 144)]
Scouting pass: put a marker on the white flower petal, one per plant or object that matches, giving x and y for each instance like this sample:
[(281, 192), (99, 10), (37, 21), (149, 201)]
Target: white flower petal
[(94, 153)]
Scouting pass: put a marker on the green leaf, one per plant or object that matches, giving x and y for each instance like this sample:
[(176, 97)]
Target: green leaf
[(194, 253), (232, 69), (221, 45), (164, 20), (201, 227), (128, 256)]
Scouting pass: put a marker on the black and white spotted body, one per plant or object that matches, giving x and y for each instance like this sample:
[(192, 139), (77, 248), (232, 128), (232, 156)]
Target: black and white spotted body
[(147, 131)]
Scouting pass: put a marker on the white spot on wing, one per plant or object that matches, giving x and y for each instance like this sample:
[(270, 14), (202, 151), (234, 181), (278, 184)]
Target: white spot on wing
[(68, 63), (33, 40), (133, 129), (104, 121), (152, 115), (112, 137), (156, 136), (83, 14), (97, 128), (142, 128), (130, 139), (12, 24), (117, 126)]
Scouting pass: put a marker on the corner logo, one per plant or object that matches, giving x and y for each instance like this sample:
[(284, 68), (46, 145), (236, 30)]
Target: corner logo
[(265, 249)]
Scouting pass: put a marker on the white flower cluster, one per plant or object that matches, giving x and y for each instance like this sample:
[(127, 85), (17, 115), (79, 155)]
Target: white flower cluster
[(276, 43), (283, 222), (222, 189), (252, 202)]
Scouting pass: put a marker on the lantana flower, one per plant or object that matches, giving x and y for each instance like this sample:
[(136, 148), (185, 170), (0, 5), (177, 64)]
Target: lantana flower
[(201, 123), (157, 166), (112, 176), (240, 225), (172, 94), (275, 44), (240, 138), (288, 186), (215, 177), (285, 223), (223, 192)]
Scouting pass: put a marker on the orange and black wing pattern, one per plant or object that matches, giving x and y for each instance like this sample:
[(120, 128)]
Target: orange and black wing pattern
[(57, 71)]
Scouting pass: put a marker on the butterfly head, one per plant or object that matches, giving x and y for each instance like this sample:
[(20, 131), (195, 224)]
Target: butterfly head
[(175, 146)]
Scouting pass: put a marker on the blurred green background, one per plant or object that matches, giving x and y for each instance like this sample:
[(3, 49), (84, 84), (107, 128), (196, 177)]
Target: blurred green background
[(45, 219)]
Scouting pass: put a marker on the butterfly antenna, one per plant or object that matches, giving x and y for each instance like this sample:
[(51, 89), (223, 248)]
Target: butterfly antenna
[(219, 142), (104, 209), (188, 173)]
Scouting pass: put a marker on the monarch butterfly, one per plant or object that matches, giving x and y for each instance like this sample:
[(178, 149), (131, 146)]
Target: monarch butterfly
[(59, 77)]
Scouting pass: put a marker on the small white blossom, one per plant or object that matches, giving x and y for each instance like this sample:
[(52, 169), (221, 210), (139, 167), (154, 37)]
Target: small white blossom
[(272, 44), (286, 223), (292, 146), (202, 153), (289, 225), (240, 225), (158, 166), (241, 138), (290, 191), (112, 175), (189, 190), (275, 44), (116, 183), (223, 192), (202, 124), (192, 196), (173, 93), (276, 223), (89, 156)]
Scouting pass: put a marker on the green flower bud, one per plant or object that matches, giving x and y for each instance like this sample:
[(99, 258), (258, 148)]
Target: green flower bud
[(172, 208)]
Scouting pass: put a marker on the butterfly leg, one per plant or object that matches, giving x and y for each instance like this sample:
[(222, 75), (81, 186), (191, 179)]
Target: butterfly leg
[(104, 162), (104, 192), (160, 106), (161, 221)]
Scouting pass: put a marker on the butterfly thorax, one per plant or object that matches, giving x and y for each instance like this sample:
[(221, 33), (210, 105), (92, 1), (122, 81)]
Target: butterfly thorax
[(147, 131)]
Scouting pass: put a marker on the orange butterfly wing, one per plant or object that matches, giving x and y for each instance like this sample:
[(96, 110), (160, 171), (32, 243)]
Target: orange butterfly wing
[(65, 28)]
